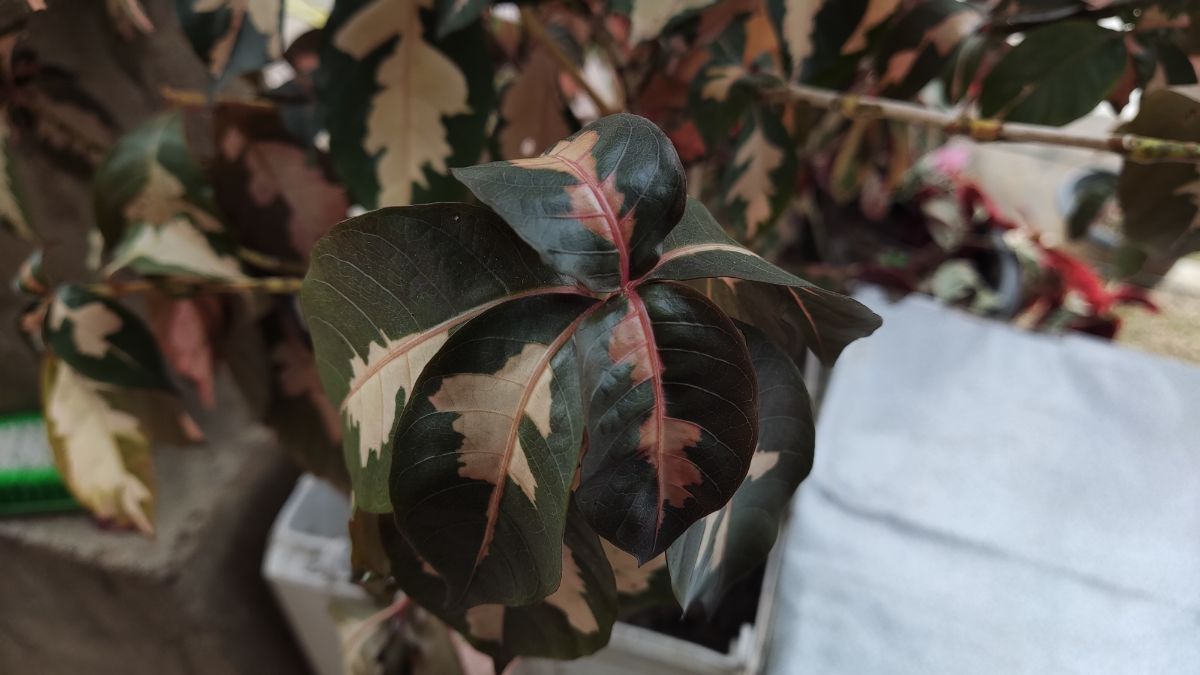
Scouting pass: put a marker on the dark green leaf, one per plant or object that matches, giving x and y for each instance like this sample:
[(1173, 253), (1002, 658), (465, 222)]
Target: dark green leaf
[(669, 394), (382, 294), (1057, 74), (796, 314), (233, 37), (376, 60), (597, 205), (729, 544), (103, 341), (575, 620), (490, 440), (1160, 200)]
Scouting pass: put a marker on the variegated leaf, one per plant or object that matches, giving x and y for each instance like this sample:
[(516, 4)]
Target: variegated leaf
[(796, 314), (823, 39), (454, 15), (533, 108), (174, 248), (648, 18), (12, 207), (639, 586), (233, 36), (597, 205), (669, 394), (102, 451), (400, 109), (731, 543), (726, 86), (491, 437), (917, 46), (575, 620), (150, 178), (382, 294), (759, 181), (279, 195), (103, 341)]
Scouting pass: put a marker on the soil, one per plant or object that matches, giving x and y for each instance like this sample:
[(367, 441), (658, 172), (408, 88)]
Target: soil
[(716, 632)]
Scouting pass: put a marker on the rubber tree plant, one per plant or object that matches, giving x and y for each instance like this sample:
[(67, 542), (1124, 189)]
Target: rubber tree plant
[(577, 378)]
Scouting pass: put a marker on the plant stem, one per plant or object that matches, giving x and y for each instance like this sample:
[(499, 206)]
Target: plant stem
[(539, 34), (192, 99), (270, 285), (1130, 146), (269, 263)]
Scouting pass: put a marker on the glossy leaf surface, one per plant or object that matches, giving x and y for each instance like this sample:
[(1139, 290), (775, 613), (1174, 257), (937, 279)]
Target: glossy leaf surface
[(794, 312), (727, 545), (382, 294), (597, 205), (669, 394), (490, 439), (1057, 74)]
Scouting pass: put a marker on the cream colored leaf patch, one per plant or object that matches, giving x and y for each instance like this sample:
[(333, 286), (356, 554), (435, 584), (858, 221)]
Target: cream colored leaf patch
[(419, 86), (161, 200), (92, 323), (876, 13), (799, 19), (102, 452), (570, 596), (490, 408), (371, 406), (757, 158), (650, 17), (631, 578), (720, 79), (176, 246)]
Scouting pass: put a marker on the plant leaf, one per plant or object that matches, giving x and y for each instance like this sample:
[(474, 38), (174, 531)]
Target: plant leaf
[(597, 205), (759, 181), (648, 18), (103, 341), (917, 45), (150, 177), (533, 108), (639, 586), (796, 314), (454, 15), (573, 621), (729, 544), (382, 294), (669, 394), (186, 329), (276, 192), (1161, 201), (174, 248), (491, 438), (102, 451), (233, 36), (401, 109), (1056, 75)]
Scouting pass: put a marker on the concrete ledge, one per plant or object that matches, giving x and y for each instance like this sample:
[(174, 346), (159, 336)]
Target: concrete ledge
[(77, 600)]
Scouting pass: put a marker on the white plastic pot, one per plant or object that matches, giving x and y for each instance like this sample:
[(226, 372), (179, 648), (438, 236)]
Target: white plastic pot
[(307, 564)]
